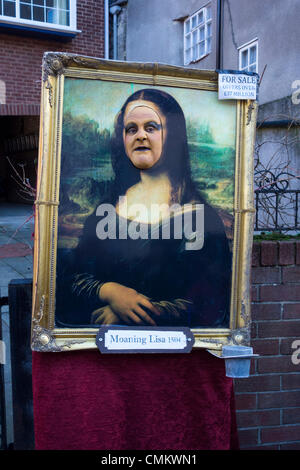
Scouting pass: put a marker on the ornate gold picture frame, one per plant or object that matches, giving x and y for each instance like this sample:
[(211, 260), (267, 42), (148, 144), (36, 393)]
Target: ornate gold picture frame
[(169, 116)]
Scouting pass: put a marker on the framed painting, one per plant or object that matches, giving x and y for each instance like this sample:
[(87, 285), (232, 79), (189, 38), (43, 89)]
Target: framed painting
[(144, 208)]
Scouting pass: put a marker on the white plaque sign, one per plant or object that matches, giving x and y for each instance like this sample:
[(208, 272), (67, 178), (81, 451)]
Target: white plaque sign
[(114, 339)]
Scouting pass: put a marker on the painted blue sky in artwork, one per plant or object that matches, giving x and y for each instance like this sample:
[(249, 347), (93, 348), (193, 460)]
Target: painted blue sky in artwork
[(102, 100)]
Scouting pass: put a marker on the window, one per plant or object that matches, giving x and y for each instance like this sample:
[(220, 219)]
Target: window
[(248, 57), (44, 14), (197, 35)]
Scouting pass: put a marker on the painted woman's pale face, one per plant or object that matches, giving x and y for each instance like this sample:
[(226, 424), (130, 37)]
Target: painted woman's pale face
[(144, 134)]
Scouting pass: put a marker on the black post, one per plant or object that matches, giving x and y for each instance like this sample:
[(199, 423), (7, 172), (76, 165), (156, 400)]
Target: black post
[(296, 210), (219, 31), (20, 300), (3, 441)]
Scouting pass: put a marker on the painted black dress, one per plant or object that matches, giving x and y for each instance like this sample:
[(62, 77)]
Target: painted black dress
[(190, 287)]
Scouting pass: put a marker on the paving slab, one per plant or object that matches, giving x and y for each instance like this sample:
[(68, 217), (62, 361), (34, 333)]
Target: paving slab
[(22, 265), (13, 250)]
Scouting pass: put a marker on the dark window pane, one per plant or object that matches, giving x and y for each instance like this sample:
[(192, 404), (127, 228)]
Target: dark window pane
[(9, 8), (208, 45), (38, 14), (49, 3), (64, 18), (202, 48), (252, 54), (187, 26), (188, 56), (0, 8), (200, 17), (188, 41), (194, 37), (26, 1), (51, 15), (38, 2), (244, 58), (209, 29), (202, 33), (194, 53), (64, 4), (25, 11)]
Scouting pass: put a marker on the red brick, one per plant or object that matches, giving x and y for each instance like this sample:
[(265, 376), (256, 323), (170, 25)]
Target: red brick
[(254, 294), (261, 311), (266, 275), (291, 274), (248, 437), (247, 419), (253, 367), (265, 447), (291, 311), (25, 81), (271, 329), (280, 433), (291, 382), (245, 401), (287, 346), (253, 330), (292, 446), (286, 253), (256, 254), (278, 400), (257, 383), (269, 254), (280, 293), (275, 365), (265, 348), (291, 416)]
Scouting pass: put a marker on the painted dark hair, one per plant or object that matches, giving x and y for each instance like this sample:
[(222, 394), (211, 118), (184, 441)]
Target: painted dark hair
[(174, 160)]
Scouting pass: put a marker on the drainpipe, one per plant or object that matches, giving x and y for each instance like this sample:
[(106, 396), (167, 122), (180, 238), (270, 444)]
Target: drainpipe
[(219, 27), (115, 10), (106, 30), (285, 123)]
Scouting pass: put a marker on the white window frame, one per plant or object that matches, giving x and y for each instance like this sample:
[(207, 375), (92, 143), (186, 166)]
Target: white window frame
[(33, 24), (247, 47), (193, 32)]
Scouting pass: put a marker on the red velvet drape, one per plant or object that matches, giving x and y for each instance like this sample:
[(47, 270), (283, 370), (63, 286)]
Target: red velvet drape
[(86, 400)]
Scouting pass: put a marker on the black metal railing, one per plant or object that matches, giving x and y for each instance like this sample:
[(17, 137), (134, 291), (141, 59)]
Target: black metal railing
[(277, 210), (276, 202)]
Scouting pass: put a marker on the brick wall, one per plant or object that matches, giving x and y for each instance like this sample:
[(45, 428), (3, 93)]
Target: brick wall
[(21, 57), (268, 402)]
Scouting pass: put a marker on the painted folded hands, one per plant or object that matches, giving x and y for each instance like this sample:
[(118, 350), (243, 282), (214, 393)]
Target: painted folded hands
[(126, 306)]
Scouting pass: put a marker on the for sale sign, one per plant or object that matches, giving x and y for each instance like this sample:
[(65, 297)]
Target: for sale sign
[(237, 86)]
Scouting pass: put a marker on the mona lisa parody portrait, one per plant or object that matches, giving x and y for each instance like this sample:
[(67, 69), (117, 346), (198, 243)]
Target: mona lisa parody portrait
[(153, 251), (145, 224)]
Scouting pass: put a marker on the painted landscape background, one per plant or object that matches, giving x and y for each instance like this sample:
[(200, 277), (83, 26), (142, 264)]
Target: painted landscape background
[(89, 110)]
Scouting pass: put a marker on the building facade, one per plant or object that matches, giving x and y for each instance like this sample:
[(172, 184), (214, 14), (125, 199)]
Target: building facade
[(28, 29), (229, 34)]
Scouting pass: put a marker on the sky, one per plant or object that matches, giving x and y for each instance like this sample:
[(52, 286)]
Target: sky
[(102, 100)]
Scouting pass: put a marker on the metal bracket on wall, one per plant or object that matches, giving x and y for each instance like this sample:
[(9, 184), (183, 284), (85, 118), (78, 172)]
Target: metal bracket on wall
[(237, 360)]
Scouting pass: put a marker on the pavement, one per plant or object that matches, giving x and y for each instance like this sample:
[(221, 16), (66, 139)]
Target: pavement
[(16, 244)]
